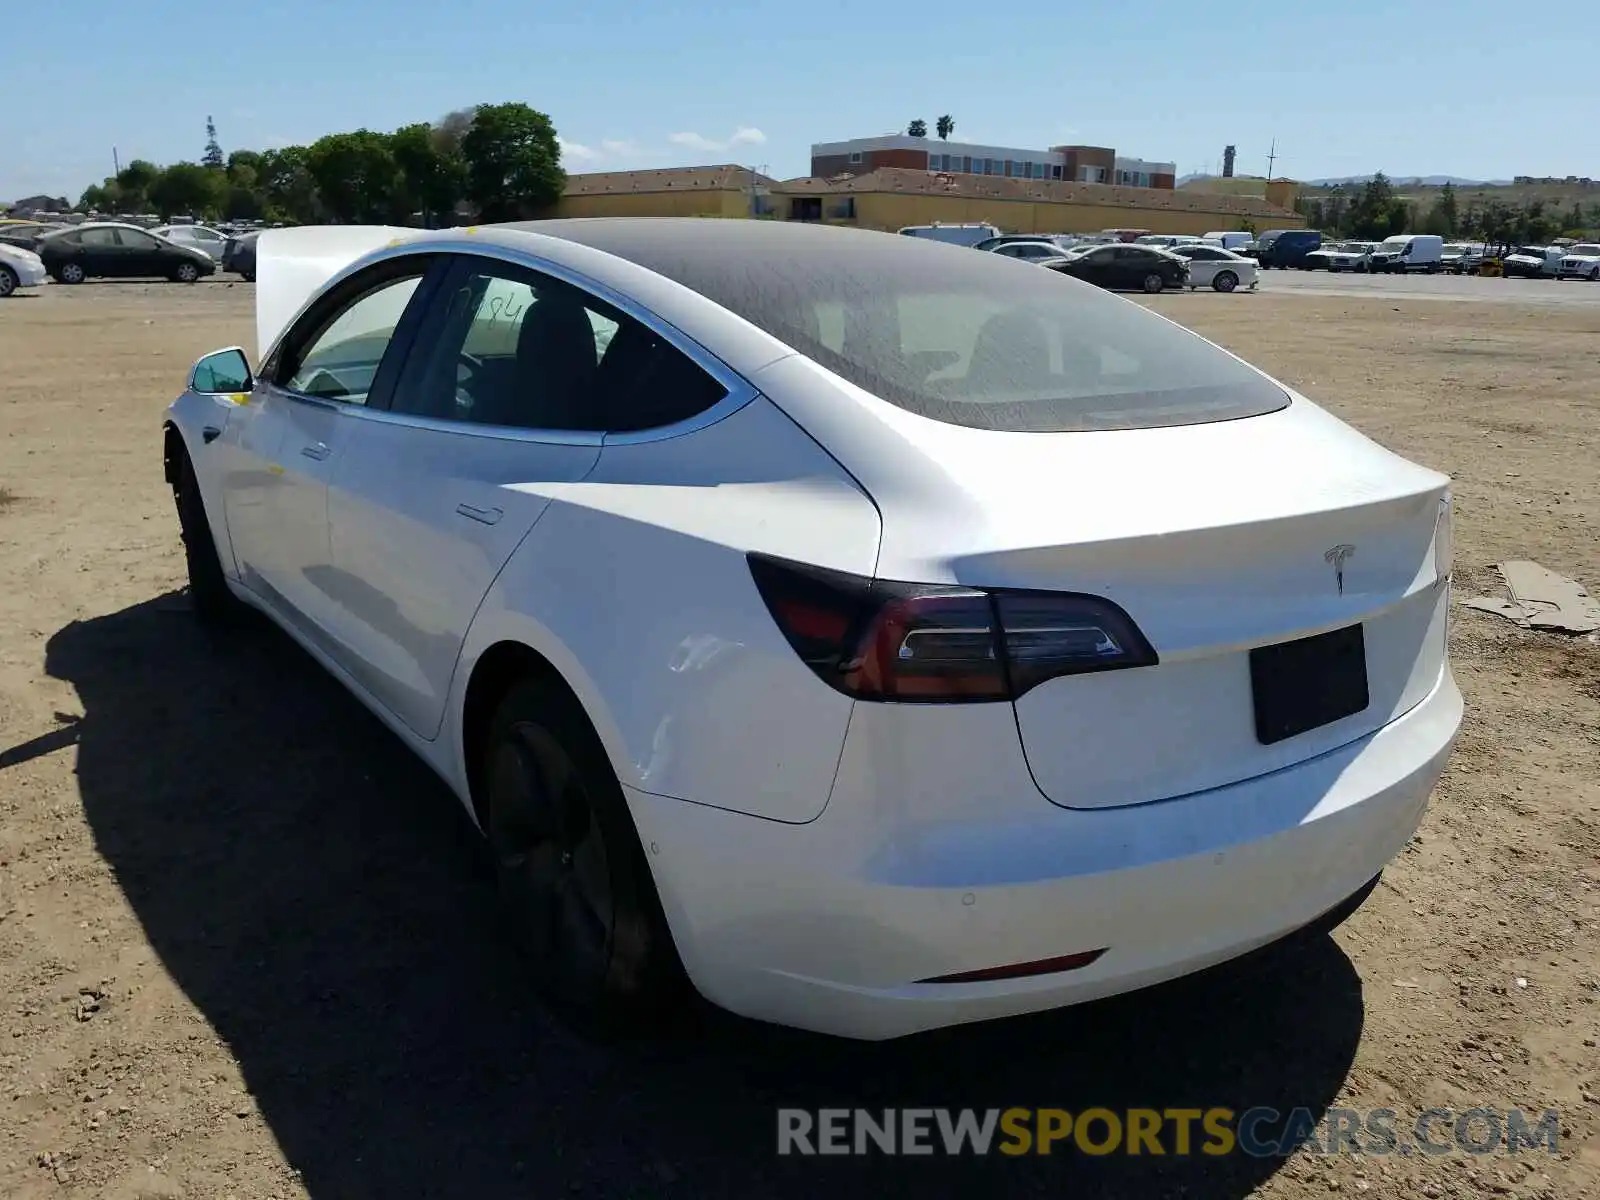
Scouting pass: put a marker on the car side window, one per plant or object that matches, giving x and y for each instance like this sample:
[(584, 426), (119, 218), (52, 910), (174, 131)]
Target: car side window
[(134, 240), (97, 237), (1104, 255), (338, 358), (519, 349)]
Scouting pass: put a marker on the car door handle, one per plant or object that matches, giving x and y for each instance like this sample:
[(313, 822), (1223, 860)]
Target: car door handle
[(486, 516), (319, 451), (210, 434)]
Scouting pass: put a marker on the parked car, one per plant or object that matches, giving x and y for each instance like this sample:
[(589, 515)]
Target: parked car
[(1581, 261), (1533, 262), (19, 268), (1006, 239), (1230, 239), (1346, 256), (1460, 258), (197, 237), (1405, 252), (1286, 247), (772, 638), (1216, 268), (1125, 266), (26, 234), (239, 255), (969, 234), (115, 251), (1165, 240), (1034, 251)]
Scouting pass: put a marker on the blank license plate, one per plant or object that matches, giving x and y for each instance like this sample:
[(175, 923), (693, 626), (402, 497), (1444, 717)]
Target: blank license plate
[(1305, 684)]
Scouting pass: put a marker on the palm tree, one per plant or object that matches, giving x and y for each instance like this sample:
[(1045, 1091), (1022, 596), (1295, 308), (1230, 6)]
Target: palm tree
[(945, 126), (918, 128)]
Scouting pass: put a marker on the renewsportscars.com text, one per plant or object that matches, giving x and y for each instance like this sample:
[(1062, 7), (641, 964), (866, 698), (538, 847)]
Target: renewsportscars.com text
[(1260, 1132)]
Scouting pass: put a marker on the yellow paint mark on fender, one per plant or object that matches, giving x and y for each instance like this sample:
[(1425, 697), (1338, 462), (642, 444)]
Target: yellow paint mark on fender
[(240, 398), (274, 469), (471, 230)]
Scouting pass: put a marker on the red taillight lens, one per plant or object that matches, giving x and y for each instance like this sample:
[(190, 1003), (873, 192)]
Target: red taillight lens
[(925, 643)]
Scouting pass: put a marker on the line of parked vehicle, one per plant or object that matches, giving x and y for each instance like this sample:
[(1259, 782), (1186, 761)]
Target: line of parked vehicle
[(1148, 262), (33, 251)]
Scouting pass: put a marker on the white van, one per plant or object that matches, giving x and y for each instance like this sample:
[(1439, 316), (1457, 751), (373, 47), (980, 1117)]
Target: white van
[(1229, 240), (1405, 252), (959, 235)]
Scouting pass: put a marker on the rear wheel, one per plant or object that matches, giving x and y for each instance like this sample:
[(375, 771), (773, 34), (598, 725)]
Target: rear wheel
[(8, 281), (1153, 283), (574, 884), (1225, 281), (70, 273), (213, 603)]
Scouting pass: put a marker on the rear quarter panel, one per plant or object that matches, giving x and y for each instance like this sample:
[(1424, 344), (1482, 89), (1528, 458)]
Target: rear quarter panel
[(635, 586)]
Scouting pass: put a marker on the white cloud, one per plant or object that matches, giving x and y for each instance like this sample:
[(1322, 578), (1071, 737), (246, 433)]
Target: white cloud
[(577, 152), (620, 146), (744, 135)]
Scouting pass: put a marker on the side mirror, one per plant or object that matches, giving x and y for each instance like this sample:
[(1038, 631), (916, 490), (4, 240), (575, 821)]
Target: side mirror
[(221, 373)]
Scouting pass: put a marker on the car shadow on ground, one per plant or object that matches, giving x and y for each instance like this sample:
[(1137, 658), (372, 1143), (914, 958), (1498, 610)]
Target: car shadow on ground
[(322, 901)]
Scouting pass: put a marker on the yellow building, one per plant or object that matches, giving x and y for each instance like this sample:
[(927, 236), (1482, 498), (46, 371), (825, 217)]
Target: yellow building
[(720, 191), (890, 198)]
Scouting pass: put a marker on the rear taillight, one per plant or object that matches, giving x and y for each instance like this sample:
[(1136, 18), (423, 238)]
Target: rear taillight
[(930, 644)]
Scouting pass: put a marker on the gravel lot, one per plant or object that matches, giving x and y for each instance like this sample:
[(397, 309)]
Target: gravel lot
[(245, 940)]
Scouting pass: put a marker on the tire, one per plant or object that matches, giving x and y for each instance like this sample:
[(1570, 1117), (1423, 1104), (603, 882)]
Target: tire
[(8, 282), (1594, 275), (70, 273), (575, 888), (1153, 283), (185, 272), (213, 603), (248, 276), (1225, 281)]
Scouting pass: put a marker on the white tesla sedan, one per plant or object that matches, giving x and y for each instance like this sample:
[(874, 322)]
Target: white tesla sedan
[(868, 632)]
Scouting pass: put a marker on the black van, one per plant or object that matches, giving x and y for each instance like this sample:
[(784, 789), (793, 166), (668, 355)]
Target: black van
[(1286, 247)]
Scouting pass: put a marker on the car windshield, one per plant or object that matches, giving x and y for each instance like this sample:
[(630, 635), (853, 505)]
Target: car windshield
[(958, 337), (1531, 251), (1586, 249)]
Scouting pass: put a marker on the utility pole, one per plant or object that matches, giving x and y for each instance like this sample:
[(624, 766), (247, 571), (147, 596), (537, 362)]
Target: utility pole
[(1272, 157), (116, 164)]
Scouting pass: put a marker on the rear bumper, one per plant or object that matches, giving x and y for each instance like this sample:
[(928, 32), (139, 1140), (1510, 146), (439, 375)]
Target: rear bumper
[(829, 926)]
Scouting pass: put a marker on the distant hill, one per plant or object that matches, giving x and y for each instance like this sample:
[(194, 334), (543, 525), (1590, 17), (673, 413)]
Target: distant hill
[(1412, 181)]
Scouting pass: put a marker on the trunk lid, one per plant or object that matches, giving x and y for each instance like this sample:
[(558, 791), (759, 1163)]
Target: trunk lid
[(1215, 538)]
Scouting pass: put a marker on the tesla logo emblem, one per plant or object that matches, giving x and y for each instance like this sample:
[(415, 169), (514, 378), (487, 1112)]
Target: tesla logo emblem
[(1336, 557)]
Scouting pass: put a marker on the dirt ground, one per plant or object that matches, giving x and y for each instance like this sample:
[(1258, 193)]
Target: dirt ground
[(245, 943)]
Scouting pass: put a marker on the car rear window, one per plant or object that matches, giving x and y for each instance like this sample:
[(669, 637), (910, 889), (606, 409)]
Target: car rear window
[(967, 338)]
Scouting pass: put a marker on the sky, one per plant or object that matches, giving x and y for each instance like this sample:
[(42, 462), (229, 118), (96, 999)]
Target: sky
[(1347, 90)]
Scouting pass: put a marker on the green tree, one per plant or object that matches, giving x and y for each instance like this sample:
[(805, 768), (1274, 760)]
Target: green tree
[(213, 153), (918, 128), (1443, 217), (289, 191), (188, 189), (355, 174), (1538, 226), (513, 162), (432, 173), (133, 185), (945, 126), (244, 160)]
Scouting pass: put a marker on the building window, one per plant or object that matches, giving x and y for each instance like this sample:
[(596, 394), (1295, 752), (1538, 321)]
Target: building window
[(1008, 168), (966, 164), (1055, 171), (855, 156), (1038, 170)]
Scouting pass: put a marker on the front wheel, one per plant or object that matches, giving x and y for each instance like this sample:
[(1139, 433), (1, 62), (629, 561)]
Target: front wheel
[(1153, 283), (1225, 281), (8, 281), (574, 884), (186, 272), (213, 603), (70, 273)]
